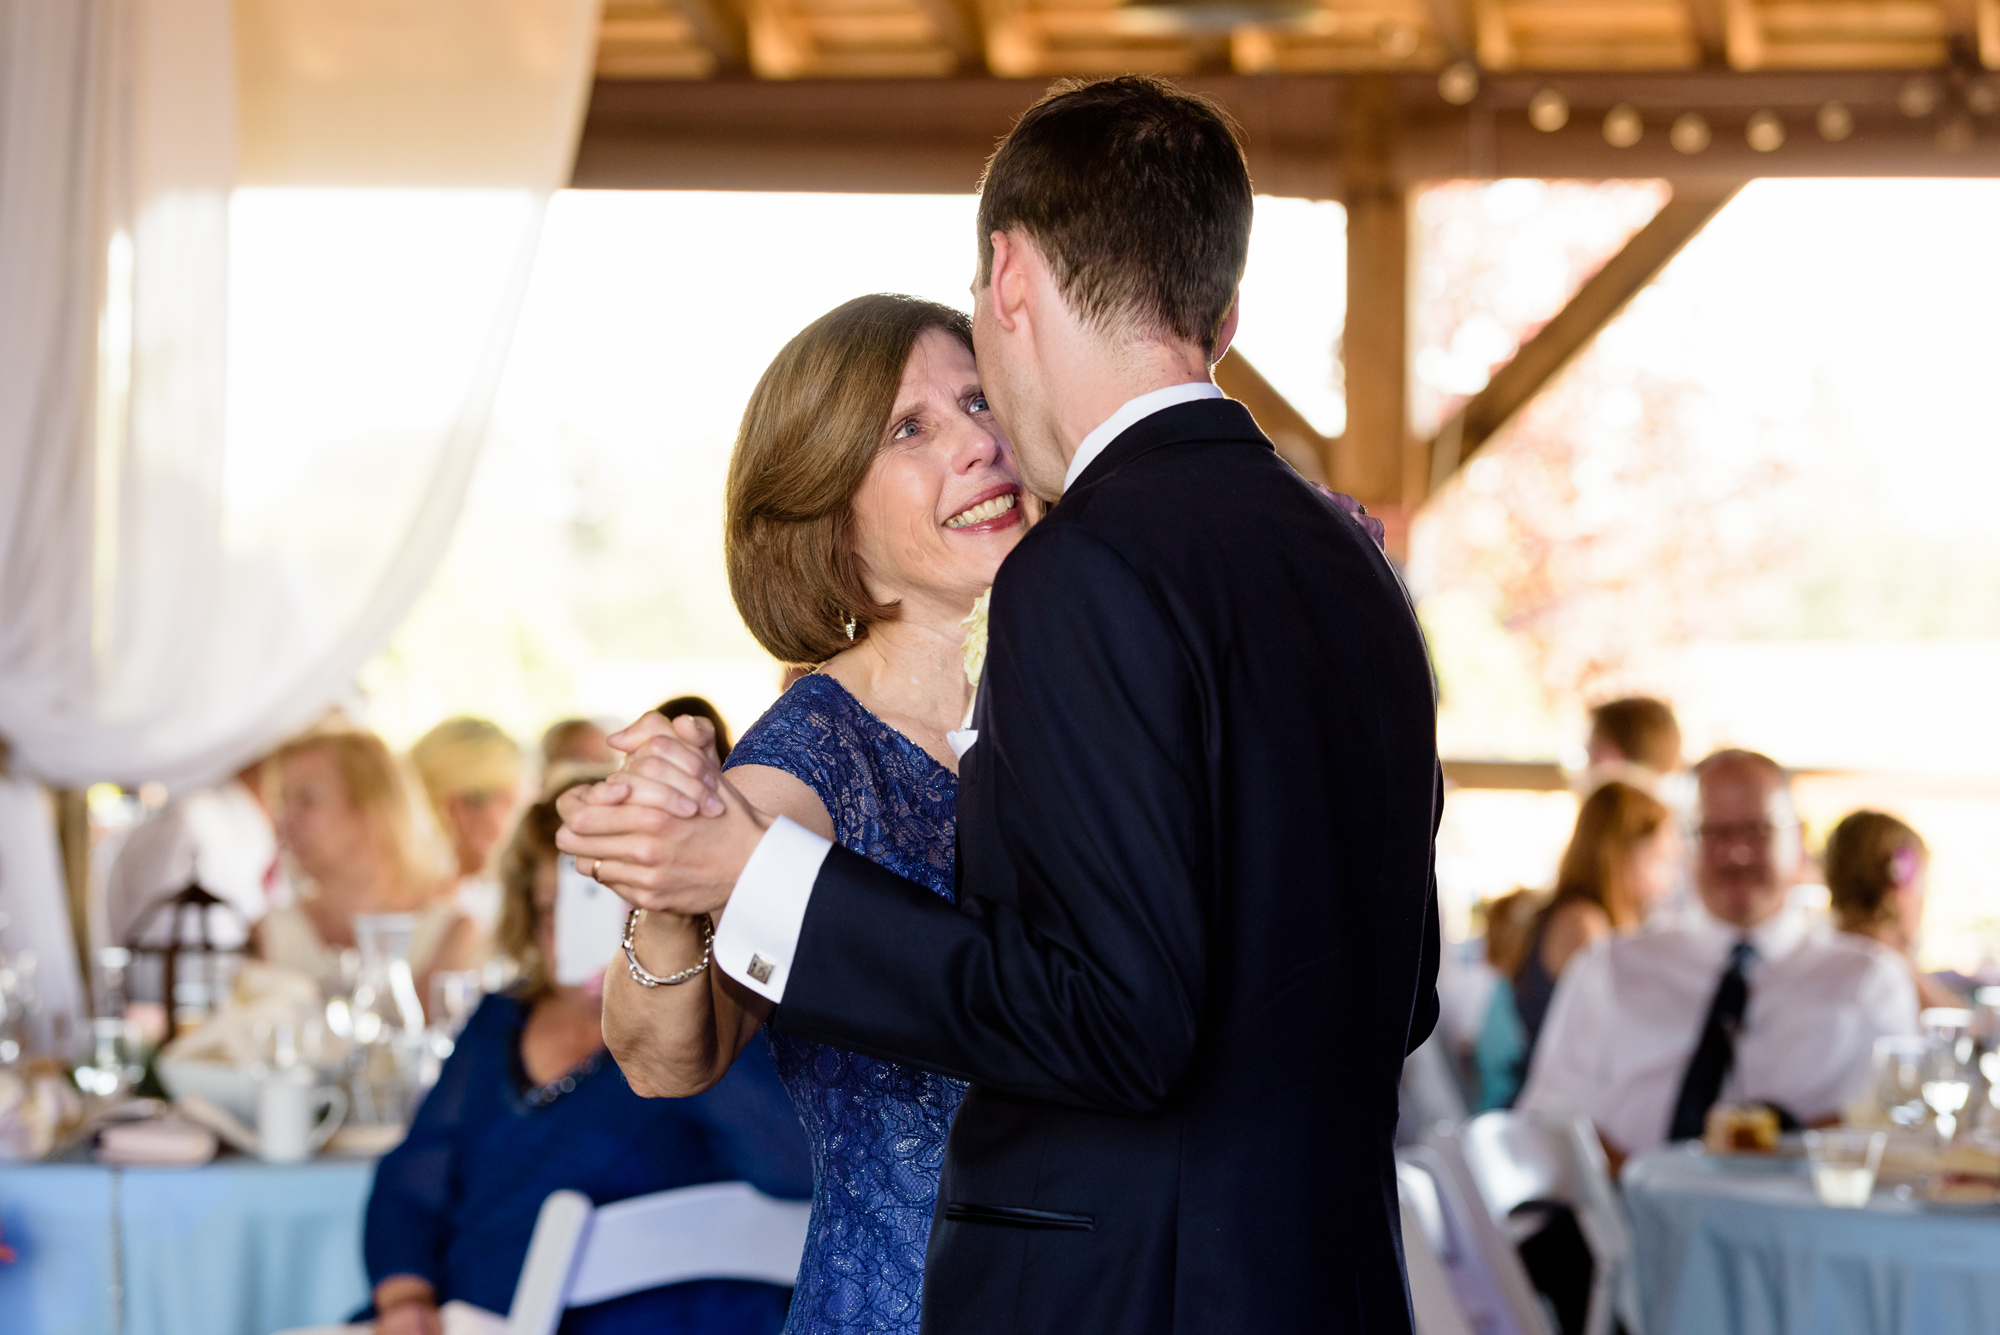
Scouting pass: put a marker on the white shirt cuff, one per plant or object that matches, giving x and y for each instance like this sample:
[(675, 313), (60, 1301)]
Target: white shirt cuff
[(759, 929)]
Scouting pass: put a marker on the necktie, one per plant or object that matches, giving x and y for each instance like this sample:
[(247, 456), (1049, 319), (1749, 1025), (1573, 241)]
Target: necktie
[(1701, 1083)]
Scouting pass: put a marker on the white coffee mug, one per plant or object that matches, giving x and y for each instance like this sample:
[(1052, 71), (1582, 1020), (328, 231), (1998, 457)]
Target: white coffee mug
[(295, 1119)]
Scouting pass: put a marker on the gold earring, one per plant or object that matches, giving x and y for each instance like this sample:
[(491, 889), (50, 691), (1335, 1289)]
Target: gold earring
[(849, 628)]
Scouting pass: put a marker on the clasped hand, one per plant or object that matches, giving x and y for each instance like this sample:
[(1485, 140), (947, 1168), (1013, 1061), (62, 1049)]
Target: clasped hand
[(668, 831)]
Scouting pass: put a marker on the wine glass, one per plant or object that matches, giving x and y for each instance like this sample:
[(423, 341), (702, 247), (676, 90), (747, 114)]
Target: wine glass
[(1947, 1082), (1899, 1078)]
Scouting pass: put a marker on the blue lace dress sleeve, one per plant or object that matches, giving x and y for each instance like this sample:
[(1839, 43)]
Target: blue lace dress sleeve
[(876, 1129)]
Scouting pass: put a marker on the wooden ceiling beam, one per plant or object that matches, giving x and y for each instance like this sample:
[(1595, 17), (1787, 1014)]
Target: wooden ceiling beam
[(720, 28), (1711, 32), (959, 30), (1452, 26), (934, 135), (1595, 304)]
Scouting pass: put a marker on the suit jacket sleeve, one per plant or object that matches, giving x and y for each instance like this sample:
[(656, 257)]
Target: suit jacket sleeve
[(1071, 969)]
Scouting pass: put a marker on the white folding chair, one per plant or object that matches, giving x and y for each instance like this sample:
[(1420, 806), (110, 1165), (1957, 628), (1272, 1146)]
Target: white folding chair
[(1432, 1301), (1485, 1274), (1519, 1158), (582, 1254)]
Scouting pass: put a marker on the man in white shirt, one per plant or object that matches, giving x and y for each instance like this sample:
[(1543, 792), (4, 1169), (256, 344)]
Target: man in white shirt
[(1743, 999)]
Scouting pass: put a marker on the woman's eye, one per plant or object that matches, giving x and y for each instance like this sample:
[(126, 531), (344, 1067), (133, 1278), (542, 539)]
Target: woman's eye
[(905, 430), (978, 404)]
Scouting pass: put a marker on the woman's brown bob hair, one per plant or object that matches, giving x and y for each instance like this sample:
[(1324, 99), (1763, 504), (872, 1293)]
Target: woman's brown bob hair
[(813, 426), (1596, 867)]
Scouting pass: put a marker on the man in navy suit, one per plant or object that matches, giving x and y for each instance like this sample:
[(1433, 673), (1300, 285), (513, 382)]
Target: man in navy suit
[(1196, 931)]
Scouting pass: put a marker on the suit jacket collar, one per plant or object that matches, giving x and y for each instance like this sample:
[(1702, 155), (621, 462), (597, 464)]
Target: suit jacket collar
[(1203, 419)]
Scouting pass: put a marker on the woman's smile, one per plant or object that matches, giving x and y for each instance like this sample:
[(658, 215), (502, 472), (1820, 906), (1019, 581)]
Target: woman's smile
[(998, 509)]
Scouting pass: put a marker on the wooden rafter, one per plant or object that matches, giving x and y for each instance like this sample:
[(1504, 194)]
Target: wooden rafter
[(1557, 342), (1705, 20), (1302, 446)]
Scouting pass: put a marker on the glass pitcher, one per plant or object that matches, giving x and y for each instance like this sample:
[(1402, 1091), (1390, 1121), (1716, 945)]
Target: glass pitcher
[(385, 1022)]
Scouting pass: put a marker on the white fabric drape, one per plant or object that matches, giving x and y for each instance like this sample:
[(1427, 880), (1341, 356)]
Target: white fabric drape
[(259, 267)]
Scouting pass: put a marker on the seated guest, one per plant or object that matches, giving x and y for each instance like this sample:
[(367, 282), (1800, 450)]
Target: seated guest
[(1500, 1051), (1621, 860), (1875, 868), (358, 844), (529, 1103), (701, 708), (1742, 999), (472, 772), (1635, 739), (575, 741)]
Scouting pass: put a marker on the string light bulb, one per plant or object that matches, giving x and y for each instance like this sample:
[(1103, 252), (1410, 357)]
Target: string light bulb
[(1765, 133), (1917, 98), (1623, 126), (1835, 122), (1458, 82), (1690, 133), (1548, 110)]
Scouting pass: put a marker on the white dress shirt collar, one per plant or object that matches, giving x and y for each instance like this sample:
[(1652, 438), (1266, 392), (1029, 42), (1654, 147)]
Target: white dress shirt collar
[(1114, 426), (1773, 939)]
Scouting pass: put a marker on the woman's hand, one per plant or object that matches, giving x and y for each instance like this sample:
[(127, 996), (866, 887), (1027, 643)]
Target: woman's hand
[(646, 833), (407, 1305)]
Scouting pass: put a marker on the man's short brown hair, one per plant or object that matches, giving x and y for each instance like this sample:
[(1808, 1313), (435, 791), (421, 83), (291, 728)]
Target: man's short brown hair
[(813, 426), (1642, 730), (1137, 194)]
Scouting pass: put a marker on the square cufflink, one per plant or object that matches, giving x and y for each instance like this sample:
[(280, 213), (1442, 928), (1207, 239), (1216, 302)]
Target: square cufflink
[(760, 968)]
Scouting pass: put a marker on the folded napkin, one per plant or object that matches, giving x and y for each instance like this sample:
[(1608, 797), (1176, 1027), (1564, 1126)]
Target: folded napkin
[(168, 1141)]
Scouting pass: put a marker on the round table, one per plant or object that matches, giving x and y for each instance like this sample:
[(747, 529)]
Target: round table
[(1742, 1246), (235, 1247)]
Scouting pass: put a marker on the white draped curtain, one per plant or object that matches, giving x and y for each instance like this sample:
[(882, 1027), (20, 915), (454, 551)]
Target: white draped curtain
[(259, 266)]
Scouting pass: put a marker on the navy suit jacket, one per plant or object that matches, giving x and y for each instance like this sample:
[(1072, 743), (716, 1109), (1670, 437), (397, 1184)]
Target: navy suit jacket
[(1196, 930)]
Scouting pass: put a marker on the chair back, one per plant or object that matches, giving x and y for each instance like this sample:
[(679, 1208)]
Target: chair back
[(581, 1254), (1491, 1289), (1432, 1300), (1521, 1158)]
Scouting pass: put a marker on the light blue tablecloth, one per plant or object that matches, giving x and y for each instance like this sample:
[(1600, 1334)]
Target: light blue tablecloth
[(1743, 1247), (234, 1248)]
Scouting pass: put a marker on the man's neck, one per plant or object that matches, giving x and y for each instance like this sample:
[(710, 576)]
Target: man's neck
[(1093, 387)]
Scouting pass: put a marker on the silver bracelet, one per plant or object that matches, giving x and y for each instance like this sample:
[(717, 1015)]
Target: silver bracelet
[(638, 970)]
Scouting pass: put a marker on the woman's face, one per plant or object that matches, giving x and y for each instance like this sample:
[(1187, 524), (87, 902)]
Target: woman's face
[(479, 821), (941, 505), (1656, 864), (318, 823)]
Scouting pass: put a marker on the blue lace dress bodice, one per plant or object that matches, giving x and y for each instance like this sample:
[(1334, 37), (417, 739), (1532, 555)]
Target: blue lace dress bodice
[(877, 1130)]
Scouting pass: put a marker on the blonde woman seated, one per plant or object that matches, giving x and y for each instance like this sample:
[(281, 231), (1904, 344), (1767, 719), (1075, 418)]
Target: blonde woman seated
[(1875, 867), (472, 774), (347, 822)]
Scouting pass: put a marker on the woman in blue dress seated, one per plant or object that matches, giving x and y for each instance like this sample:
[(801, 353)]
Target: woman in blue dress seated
[(529, 1103)]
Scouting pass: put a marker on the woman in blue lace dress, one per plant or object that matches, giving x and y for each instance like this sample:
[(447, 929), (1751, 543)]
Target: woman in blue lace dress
[(870, 501)]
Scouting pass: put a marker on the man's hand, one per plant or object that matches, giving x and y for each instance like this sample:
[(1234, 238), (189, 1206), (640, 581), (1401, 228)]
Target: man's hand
[(667, 831)]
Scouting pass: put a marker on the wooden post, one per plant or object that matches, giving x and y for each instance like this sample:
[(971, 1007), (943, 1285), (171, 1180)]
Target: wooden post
[(1368, 459)]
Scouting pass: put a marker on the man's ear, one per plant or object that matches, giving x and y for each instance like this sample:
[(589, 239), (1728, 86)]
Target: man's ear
[(1227, 334), (1008, 281)]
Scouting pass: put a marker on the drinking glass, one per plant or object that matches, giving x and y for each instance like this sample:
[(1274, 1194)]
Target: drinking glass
[(455, 995), (1899, 1078), (1844, 1165), (1947, 1082)]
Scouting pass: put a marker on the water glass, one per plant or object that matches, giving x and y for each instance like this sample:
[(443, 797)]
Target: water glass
[(1844, 1165)]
